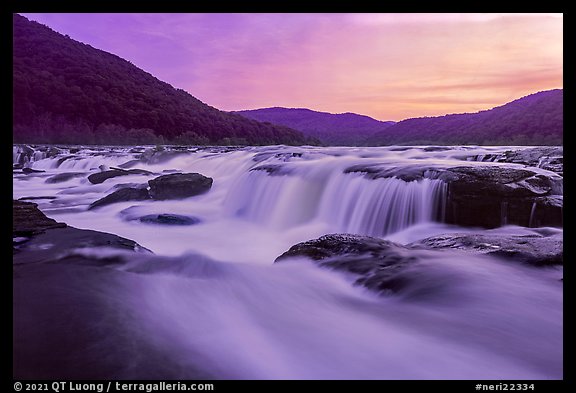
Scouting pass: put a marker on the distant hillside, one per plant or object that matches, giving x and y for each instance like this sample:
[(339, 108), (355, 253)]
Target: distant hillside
[(346, 129), (69, 92), (536, 119)]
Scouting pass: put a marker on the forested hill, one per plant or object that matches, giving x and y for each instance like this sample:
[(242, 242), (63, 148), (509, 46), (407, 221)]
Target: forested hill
[(69, 92), (347, 129), (536, 119)]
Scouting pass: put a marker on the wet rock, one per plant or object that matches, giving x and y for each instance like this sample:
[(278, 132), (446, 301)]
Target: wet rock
[(273, 169), (550, 158), (122, 195), (100, 177), (28, 220), (491, 196), (169, 219), (53, 151), (30, 170), (179, 185), (376, 263), (538, 250), (65, 158), (31, 198), (547, 211)]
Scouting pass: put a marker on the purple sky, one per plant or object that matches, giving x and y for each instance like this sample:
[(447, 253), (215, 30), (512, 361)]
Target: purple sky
[(388, 66)]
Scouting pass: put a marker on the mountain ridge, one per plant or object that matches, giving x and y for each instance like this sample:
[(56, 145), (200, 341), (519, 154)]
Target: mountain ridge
[(534, 119), (330, 128), (65, 91)]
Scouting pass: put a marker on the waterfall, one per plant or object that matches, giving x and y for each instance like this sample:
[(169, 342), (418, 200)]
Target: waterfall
[(348, 202), (278, 201), (382, 206)]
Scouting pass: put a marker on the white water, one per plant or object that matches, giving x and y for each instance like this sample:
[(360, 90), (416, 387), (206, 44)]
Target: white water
[(461, 317)]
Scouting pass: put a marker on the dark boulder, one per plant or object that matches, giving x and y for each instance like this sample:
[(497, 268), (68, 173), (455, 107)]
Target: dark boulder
[(534, 249), (377, 262), (100, 177), (28, 220), (547, 212), (179, 185), (122, 195), (491, 196)]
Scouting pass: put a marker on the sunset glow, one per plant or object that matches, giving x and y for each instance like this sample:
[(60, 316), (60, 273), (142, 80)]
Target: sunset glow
[(388, 66)]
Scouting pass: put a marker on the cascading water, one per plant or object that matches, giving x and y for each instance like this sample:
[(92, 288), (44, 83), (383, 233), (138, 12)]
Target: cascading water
[(381, 206), (212, 304), (347, 202)]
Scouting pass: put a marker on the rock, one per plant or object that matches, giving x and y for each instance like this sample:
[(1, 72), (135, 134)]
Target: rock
[(408, 172), (491, 196), (547, 212), (122, 195), (154, 156), (65, 158), (550, 158), (533, 249), (31, 198), (41, 239), (30, 170), (52, 152), (179, 185), (129, 164), (62, 177), (100, 177), (273, 169), (377, 262), (28, 220), (169, 219)]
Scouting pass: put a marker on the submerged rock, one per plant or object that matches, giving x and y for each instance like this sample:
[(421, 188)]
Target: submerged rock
[(169, 219), (273, 169), (62, 177), (122, 195), (179, 185)]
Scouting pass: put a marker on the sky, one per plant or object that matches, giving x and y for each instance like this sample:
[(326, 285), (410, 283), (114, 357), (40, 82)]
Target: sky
[(387, 66)]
